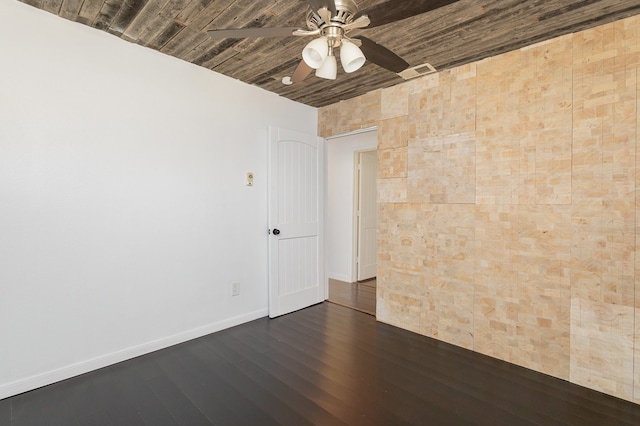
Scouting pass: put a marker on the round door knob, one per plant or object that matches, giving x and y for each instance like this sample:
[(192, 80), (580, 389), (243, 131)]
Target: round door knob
[(276, 232)]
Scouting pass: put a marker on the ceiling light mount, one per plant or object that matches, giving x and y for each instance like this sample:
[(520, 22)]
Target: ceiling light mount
[(334, 34), (319, 53)]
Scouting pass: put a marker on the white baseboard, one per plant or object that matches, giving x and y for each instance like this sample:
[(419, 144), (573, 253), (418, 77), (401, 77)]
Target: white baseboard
[(339, 277), (53, 376)]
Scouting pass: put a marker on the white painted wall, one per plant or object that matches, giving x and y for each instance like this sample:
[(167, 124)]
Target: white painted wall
[(340, 197), (124, 215)]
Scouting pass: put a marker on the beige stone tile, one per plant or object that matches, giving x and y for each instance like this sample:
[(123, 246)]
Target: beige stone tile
[(636, 358), (631, 26), (427, 269), (448, 232), (522, 286), (401, 283), (350, 115), (503, 171), (392, 163), (393, 133), (604, 217), (637, 233), (602, 347), (395, 101), (442, 169), (415, 92), (336, 119), (325, 120), (604, 166), (392, 190), (524, 126), (368, 109), (445, 109), (553, 166), (398, 310)]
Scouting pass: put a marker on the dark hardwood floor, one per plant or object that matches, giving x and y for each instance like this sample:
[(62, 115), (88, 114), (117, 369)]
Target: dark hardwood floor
[(324, 365), (359, 295)]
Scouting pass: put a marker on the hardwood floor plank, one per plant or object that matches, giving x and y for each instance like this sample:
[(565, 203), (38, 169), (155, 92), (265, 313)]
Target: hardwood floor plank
[(204, 385), (180, 407), (98, 419), (473, 355), (466, 360), (80, 392), (45, 407), (28, 409), (145, 402), (287, 379), (479, 385), (289, 394), (5, 412), (440, 383), (333, 362), (320, 384), (265, 402), (146, 367), (109, 399), (399, 378), (325, 365)]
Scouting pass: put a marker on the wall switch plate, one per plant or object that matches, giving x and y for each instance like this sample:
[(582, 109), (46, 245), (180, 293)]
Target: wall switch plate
[(249, 178), (235, 289)]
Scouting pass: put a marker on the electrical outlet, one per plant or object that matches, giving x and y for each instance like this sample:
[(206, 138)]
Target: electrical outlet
[(235, 289)]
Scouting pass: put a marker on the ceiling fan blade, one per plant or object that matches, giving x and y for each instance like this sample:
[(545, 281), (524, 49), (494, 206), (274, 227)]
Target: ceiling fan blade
[(361, 22), (319, 4), (304, 33), (302, 71), (252, 32), (382, 56), (397, 10)]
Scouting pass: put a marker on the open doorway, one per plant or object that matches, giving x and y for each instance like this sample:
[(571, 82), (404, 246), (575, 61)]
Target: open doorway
[(351, 220), (365, 254)]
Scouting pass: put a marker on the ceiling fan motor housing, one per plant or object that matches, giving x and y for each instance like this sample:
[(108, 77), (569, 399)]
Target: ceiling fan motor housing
[(345, 11)]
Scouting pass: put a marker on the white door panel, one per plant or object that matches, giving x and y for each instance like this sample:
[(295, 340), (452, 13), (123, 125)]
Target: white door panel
[(367, 234), (296, 264)]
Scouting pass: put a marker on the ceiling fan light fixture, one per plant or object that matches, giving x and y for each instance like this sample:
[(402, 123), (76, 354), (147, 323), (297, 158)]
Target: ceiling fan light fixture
[(329, 68), (351, 56), (315, 53)]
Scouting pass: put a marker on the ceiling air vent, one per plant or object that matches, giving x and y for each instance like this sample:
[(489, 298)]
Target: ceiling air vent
[(417, 71)]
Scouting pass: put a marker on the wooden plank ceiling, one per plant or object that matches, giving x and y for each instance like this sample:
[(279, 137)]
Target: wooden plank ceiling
[(459, 33)]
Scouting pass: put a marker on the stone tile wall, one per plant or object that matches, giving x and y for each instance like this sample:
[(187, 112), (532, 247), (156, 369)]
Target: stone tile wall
[(508, 217)]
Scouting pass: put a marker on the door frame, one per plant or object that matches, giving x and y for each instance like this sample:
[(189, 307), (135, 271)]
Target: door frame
[(354, 272), (357, 182)]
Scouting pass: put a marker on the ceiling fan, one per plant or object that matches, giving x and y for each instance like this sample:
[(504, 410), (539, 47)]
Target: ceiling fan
[(331, 21)]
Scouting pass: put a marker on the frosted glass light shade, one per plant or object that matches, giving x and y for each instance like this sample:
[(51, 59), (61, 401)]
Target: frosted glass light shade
[(351, 56), (315, 52), (329, 68)]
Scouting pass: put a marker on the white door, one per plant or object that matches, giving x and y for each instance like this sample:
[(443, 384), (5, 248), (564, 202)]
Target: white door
[(367, 213), (296, 214)]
